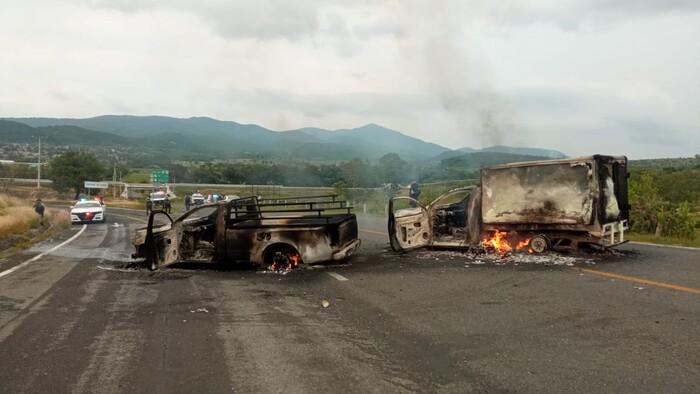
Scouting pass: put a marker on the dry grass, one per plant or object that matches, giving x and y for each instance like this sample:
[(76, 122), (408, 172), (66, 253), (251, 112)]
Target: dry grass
[(21, 227), (16, 216)]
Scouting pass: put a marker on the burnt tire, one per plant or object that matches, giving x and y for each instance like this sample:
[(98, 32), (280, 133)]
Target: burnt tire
[(280, 256), (540, 244)]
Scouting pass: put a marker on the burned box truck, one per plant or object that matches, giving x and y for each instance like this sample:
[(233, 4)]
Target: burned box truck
[(254, 231), (538, 205)]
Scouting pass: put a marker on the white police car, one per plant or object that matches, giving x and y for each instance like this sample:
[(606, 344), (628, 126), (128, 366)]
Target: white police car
[(88, 211)]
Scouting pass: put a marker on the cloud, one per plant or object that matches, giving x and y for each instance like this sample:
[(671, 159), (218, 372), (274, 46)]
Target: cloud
[(574, 14), (571, 75), (236, 19)]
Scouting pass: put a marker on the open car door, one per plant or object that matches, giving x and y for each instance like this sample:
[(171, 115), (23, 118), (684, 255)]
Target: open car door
[(198, 236), (409, 228), (161, 248)]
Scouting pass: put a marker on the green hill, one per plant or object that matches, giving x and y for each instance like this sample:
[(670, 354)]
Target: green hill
[(477, 160)]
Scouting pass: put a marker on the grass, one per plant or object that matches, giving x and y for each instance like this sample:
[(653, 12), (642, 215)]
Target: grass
[(21, 227), (653, 239), (16, 216)]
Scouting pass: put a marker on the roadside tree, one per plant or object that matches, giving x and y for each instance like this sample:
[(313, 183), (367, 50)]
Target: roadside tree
[(71, 169), (358, 173), (391, 168), (651, 213)]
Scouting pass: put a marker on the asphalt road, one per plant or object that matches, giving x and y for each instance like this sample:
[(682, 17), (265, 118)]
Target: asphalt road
[(78, 317)]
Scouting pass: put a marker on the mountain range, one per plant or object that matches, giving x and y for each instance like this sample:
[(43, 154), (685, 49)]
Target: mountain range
[(227, 139)]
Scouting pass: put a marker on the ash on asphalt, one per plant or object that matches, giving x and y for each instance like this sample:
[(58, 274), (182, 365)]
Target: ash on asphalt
[(424, 257), (482, 257)]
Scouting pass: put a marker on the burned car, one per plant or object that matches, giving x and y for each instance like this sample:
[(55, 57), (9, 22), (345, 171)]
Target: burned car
[(538, 205), (306, 230)]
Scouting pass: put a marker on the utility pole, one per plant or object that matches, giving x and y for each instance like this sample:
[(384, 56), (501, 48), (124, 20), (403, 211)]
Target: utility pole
[(38, 167), (114, 181)]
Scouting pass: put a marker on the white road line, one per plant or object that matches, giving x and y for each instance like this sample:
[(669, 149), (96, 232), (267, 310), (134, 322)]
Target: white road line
[(37, 257), (665, 246), (337, 276)]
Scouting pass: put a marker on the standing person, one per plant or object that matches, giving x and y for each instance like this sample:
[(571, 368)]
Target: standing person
[(166, 205), (39, 209), (149, 205), (188, 202), (413, 192)]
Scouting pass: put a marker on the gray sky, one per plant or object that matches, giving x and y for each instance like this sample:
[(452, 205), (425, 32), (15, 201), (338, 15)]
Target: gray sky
[(578, 76)]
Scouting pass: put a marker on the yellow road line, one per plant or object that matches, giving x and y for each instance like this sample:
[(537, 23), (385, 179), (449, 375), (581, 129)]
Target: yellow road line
[(373, 232), (639, 280)]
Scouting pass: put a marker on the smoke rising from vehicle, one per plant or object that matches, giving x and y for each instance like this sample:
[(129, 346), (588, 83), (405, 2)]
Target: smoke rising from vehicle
[(459, 77)]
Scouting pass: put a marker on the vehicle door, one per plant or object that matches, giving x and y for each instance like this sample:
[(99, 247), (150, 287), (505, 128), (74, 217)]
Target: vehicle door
[(162, 240), (409, 224)]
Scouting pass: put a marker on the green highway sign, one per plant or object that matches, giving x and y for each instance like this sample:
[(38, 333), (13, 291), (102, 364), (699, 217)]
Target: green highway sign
[(161, 176)]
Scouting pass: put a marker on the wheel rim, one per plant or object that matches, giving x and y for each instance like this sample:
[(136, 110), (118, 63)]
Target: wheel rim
[(539, 244)]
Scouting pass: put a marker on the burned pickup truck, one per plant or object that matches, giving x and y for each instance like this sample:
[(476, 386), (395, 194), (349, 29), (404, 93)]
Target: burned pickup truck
[(250, 230), (536, 205)]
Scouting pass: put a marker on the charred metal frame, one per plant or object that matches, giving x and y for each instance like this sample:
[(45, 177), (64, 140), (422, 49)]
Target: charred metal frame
[(569, 202), (317, 228)]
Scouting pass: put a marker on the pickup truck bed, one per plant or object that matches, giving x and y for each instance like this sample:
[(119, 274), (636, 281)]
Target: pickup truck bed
[(250, 230)]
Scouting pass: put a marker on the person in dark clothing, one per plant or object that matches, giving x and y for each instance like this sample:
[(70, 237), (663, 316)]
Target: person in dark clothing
[(414, 192), (149, 205), (166, 205), (39, 209), (188, 202)]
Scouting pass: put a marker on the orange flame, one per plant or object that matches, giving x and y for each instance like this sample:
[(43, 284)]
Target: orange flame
[(502, 245), (286, 262)]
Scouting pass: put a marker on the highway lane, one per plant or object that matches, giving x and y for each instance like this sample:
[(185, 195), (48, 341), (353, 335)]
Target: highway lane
[(80, 320)]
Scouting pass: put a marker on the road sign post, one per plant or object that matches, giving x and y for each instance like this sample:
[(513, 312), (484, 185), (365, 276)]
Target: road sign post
[(95, 185)]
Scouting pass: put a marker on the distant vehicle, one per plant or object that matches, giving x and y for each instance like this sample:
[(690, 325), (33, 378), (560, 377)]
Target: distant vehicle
[(197, 199), (212, 198), (312, 230), (157, 200), (158, 197), (87, 212)]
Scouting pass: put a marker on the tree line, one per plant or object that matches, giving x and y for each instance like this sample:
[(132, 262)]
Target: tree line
[(665, 201)]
